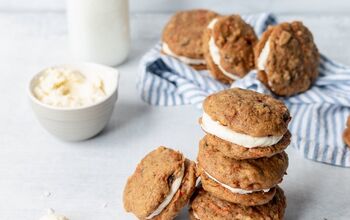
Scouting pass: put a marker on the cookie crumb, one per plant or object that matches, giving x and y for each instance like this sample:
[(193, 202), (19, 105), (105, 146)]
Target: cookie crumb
[(285, 36), (46, 194), (50, 211)]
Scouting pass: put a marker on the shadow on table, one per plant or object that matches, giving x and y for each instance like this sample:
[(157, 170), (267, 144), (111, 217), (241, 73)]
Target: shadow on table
[(125, 114), (297, 201)]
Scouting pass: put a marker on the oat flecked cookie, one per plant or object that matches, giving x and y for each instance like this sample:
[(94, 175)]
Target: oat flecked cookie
[(287, 58), (161, 185), (205, 206), (247, 182), (228, 46), (248, 112), (182, 36), (346, 134)]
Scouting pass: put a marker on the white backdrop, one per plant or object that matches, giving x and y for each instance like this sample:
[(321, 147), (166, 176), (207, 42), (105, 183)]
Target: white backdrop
[(85, 180), (242, 6)]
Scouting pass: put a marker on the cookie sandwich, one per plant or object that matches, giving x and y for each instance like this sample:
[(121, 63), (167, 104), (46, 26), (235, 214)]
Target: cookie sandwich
[(161, 185), (287, 58), (244, 124), (182, 36), (228, 45), (205, 206)]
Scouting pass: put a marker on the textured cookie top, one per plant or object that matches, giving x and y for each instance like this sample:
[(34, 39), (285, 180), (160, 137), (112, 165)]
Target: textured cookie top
[(208, 207), (151, 182), (183, 33), (235, 40), (293, 60), (248, 112), (250, 174)]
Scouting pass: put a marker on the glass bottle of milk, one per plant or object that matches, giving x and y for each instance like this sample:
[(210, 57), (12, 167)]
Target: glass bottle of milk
[(99, 30)]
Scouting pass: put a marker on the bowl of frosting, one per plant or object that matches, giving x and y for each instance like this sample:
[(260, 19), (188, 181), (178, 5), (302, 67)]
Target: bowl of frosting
[(74, 101)]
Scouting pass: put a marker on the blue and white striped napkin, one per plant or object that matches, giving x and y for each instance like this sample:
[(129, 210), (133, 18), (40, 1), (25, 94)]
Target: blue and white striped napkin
[(318, 115)]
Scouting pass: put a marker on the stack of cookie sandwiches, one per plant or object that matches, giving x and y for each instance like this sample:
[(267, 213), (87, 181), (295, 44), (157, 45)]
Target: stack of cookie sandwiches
[(205, 40), (161, 185), (241, 158), (285, 57)]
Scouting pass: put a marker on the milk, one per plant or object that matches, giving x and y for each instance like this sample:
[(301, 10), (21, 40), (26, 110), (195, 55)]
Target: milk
[(99, 30)]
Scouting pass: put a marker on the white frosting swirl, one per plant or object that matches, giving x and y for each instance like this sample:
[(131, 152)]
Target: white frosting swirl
[(215, 128)]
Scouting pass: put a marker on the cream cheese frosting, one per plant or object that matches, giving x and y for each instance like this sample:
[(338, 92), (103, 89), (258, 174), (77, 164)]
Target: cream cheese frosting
[(68, 88), (195, 215), (174, 188), (187, 60), (262, 59), (215, 128), (234, 190), (215, 54)]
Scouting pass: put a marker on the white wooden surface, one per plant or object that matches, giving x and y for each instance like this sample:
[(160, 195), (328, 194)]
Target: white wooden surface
[(85, 180), (279, 6)]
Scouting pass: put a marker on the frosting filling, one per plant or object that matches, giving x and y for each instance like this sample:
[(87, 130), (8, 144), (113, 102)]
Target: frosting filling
[(262, 59), (215, 128), (195, 215), (215, 54), (235, 190), (187, 60), (174, 187)]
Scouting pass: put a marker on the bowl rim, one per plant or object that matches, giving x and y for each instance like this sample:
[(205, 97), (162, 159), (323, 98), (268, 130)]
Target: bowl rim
[(38, 102)]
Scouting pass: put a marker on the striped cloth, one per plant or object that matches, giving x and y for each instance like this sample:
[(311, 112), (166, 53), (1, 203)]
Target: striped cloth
[(319, 115)]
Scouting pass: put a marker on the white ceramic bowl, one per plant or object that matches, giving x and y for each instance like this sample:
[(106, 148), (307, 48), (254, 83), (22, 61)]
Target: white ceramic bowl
[(76, 124)]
